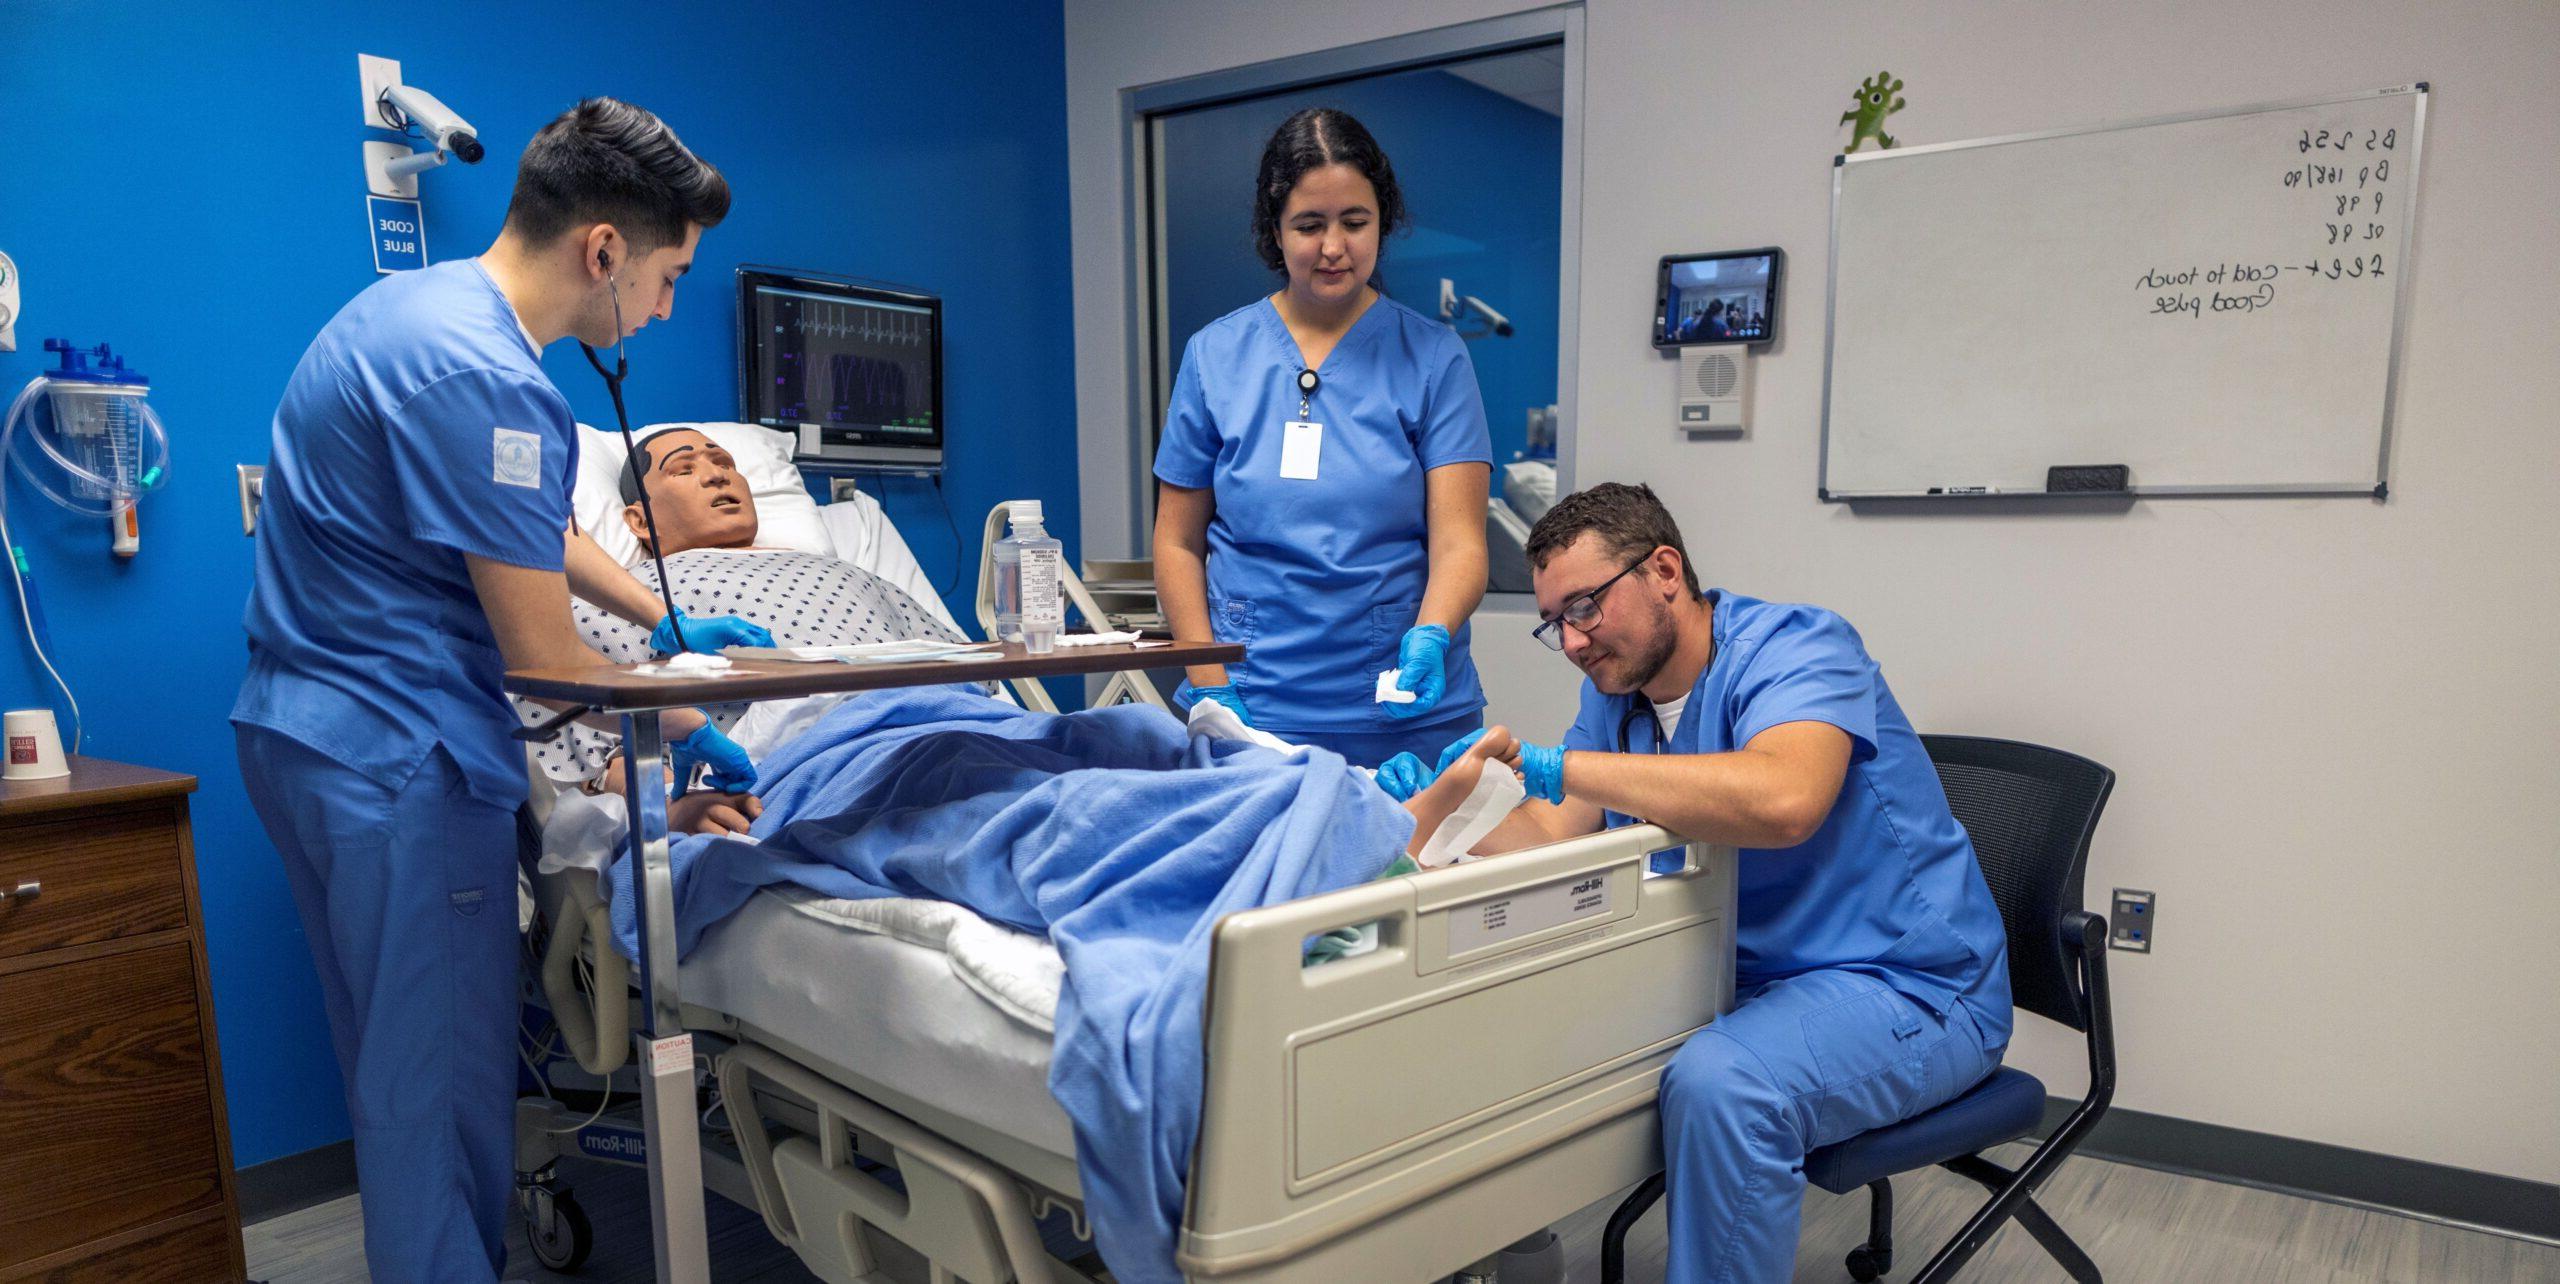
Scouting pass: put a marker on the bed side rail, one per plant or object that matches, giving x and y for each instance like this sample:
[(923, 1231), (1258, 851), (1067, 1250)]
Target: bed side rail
[(1512, 1006)]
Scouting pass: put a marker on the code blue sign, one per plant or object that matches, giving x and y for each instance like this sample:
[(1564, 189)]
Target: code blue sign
[(399, 233)]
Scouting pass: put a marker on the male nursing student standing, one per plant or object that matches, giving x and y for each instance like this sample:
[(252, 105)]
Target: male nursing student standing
[(414, 543), (1324, 470)]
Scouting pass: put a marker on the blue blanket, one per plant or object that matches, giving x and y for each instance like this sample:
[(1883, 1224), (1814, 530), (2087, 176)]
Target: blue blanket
[(1111, 832)]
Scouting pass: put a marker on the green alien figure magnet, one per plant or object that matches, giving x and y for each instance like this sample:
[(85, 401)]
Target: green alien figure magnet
[(1876, 100)]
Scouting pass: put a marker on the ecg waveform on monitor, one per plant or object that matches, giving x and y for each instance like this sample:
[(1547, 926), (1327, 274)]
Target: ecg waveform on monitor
[(844, 363), (866, 389)]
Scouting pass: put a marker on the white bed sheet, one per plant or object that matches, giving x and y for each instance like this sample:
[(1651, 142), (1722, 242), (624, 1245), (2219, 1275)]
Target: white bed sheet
[(904, 992)]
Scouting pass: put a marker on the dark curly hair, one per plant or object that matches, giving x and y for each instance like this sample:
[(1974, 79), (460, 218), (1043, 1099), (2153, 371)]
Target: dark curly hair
[(606, 161), (1313, 139), (1629, 520)]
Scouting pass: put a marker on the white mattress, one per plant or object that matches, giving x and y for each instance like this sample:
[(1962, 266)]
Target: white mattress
[(921, 996)]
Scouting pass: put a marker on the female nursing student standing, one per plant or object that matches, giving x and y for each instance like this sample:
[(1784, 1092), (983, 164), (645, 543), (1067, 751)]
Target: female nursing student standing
[(1324, 472)]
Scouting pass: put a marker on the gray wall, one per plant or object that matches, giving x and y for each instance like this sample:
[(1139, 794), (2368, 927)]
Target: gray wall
[(2337, 723)]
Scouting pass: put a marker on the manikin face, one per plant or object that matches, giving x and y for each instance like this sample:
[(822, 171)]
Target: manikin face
[(1633, 635), (645, 289), (700, 499), (1329, 236)]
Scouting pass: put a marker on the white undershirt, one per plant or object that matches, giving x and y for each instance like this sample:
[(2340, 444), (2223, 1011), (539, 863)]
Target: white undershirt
[(1669, 712)]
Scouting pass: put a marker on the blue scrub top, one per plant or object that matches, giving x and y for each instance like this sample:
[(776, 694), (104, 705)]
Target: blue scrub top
[(1888, 886), (417, 428), (1319, 579)]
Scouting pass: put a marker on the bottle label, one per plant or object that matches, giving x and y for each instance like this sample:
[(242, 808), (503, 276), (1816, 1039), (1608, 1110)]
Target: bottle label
[(1041, 603)]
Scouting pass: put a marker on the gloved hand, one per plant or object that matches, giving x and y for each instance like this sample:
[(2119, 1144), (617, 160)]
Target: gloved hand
[(707, 634), (1542, 771), (1403, 776), (1457, 749), (1225, 695), (1424, 659), (732, 772)]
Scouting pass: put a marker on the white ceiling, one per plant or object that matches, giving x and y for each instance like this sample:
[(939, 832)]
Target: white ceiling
[(1533, 77)]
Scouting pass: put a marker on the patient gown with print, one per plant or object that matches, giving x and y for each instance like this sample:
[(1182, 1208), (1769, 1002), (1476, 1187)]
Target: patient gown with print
[(1112, 832)]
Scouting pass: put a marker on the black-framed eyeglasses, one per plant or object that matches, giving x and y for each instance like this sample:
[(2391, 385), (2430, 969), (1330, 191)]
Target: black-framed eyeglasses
[(1582, 610)]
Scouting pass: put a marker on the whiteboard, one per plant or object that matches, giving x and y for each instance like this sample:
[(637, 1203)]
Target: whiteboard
[(2213, 300)]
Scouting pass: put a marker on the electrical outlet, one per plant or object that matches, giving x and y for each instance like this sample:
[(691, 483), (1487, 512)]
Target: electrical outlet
[(253, 487), (2129, 927), (376, 76)]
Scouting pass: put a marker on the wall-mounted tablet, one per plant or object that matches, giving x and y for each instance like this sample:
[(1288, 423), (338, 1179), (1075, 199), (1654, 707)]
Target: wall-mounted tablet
[(1724, 298)]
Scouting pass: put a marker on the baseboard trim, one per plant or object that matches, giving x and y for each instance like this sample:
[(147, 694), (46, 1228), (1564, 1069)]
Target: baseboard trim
[(2317, 1170), (291, 1183)]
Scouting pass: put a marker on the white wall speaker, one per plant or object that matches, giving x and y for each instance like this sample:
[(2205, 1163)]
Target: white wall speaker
[(1715, 390)]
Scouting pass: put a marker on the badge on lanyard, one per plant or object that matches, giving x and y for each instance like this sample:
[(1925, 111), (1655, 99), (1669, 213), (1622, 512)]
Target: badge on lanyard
[(1302, 442)]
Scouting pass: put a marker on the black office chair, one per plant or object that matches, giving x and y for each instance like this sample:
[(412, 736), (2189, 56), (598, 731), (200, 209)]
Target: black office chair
[(2030, 811)]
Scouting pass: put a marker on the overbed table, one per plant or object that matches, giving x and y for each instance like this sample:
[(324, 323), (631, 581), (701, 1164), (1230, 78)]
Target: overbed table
[(675, 1145)]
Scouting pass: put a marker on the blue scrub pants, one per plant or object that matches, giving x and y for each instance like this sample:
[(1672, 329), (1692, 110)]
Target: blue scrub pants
[(1797, 1065), (408, 898), (1371, 746)]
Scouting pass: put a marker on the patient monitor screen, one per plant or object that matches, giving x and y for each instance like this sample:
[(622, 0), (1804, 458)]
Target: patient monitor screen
[(862, 366), (1717, 298)]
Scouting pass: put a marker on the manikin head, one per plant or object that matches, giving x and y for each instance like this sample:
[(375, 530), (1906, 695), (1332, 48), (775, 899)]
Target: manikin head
[(695, 489)]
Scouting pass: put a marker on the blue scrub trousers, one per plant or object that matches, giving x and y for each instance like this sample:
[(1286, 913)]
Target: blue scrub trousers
[(408, 899), (1369, 747), (1797, 1065)]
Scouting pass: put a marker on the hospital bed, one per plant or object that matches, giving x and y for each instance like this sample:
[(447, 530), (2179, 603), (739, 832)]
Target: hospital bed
[(1490, 1067)]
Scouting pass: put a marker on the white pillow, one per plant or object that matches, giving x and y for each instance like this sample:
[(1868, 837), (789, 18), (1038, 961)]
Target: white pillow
[(864, 536), (786, 517)]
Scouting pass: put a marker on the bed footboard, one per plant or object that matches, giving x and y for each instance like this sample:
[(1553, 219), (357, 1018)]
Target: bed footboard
[(1490, 1068)]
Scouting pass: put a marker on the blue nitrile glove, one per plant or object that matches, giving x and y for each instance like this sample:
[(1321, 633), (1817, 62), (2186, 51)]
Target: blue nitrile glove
[(1457, 749), (1424, 658), (732, 772), (1542, 771), (1403, 776), (1225, 695), (707, 634)]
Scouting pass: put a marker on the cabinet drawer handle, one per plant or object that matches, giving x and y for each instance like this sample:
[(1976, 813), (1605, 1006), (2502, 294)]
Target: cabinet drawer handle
[(22, 892)]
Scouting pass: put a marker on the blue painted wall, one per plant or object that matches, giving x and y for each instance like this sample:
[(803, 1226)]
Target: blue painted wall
[(922, 144), (1481, 175)]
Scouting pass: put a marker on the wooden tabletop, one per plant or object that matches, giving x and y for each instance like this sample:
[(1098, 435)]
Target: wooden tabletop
[(618, 690), (93, 782)]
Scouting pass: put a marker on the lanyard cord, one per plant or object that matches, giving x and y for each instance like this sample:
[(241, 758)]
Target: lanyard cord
[(631, 456)]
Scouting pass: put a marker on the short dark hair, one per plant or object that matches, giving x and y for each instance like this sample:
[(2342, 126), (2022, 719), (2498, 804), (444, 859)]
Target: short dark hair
[(1313, 139), (1628, 519), (639, 462), (606, 161)]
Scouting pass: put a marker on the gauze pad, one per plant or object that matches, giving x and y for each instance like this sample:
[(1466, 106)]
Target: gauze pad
[(1387, 692), (1496, 793)]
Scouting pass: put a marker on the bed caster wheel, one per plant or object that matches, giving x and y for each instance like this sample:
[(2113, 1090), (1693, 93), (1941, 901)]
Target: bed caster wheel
[(1867, 1265), (558, 1229)]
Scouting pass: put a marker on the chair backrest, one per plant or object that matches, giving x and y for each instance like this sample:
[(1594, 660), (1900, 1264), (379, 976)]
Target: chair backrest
[(2030, 811)]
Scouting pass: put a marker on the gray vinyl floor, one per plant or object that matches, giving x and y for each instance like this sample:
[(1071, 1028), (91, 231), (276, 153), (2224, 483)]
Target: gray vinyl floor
[(2138, 1224)]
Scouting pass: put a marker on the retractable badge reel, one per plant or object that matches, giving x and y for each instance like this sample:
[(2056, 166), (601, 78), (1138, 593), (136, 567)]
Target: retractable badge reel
[(1301, 441)]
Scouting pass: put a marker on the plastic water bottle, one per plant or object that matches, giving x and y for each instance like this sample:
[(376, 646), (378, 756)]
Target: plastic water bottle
[(1030, 606)]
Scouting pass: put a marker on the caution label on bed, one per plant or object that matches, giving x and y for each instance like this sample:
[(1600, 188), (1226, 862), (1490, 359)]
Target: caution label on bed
[(1508, 918), (671, 1055)]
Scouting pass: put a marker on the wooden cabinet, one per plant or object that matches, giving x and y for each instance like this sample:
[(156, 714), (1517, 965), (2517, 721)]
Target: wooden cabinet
[(115, 1160)]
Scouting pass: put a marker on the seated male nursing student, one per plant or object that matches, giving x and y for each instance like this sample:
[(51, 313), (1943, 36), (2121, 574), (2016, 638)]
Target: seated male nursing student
[(1871, 978)]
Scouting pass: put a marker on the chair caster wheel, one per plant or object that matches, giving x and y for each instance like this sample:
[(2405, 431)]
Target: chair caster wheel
[(1867, 1266)]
